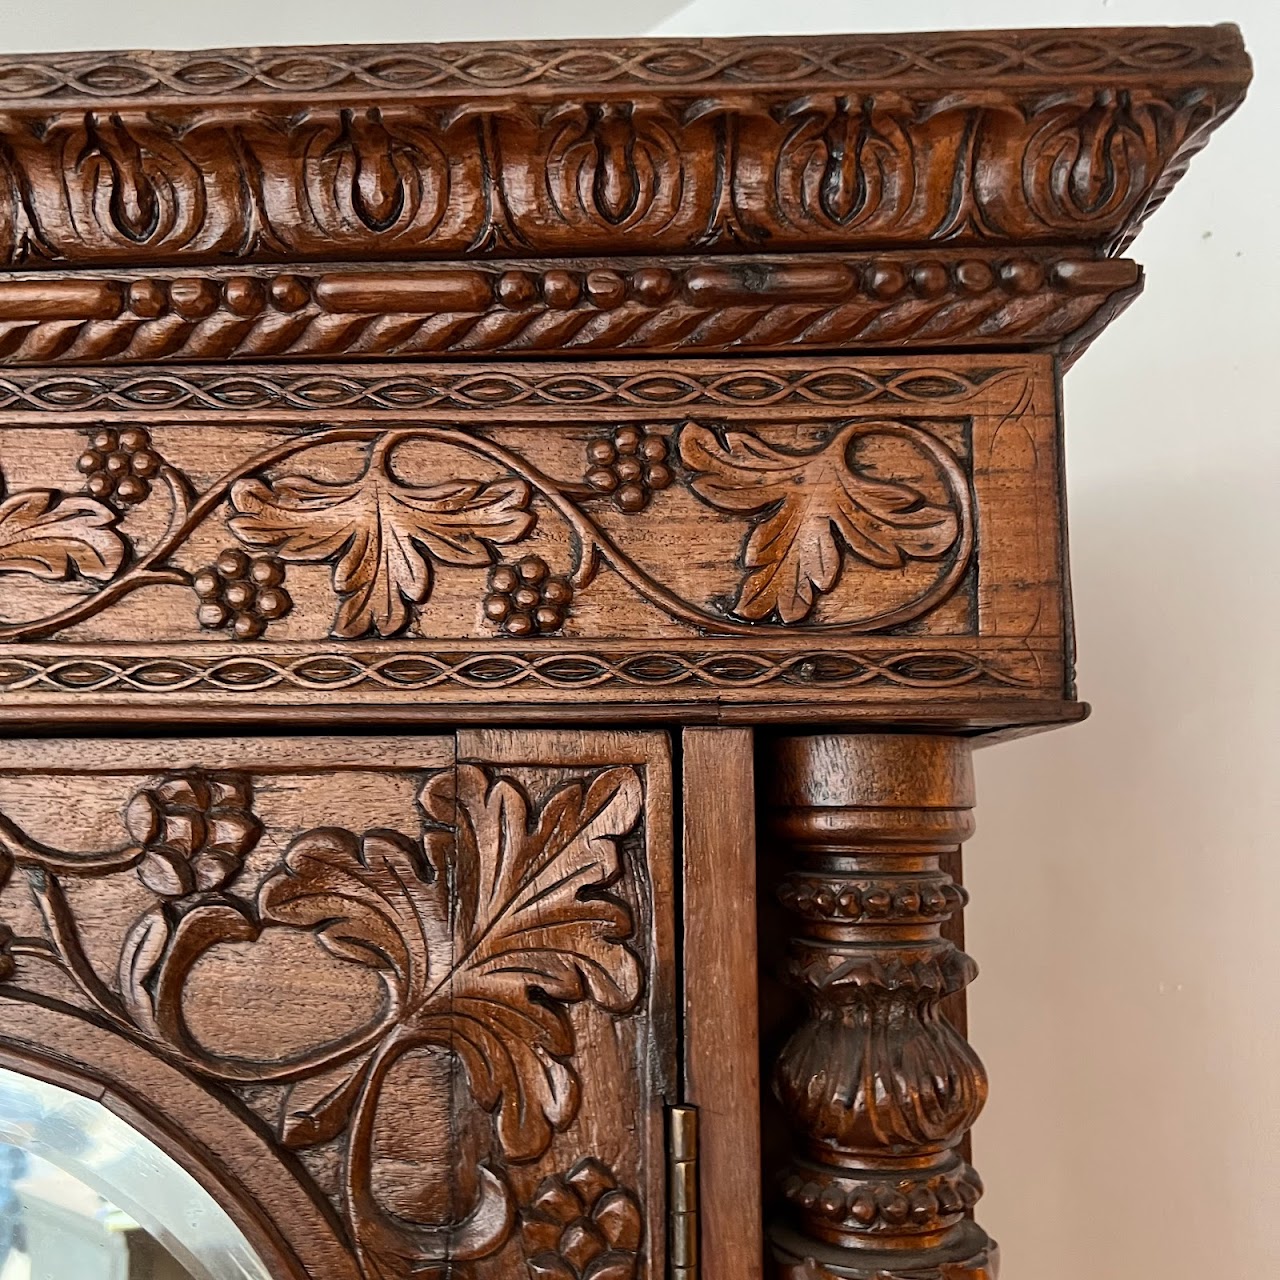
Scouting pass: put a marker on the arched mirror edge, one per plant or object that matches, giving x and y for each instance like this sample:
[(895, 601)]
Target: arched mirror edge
[(292, 1235)]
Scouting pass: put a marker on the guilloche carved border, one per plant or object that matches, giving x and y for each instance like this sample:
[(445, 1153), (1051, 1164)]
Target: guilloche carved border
[(564, 388), (984, 57), (985, 140)]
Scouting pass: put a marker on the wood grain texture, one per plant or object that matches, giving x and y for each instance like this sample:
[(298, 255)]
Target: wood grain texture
[(724, 535), (429, 987), (721, 1049), (880, 1088), (913, 60)]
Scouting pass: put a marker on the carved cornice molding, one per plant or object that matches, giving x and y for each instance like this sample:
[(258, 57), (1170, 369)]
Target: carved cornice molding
[(601, 307), (849, 143), (924, 58)]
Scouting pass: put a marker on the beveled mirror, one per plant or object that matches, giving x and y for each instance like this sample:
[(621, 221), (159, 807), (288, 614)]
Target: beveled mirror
[(85, 1196)]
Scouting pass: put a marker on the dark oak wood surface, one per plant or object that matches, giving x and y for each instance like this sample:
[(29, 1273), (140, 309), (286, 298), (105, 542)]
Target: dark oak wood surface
[(491, 392)]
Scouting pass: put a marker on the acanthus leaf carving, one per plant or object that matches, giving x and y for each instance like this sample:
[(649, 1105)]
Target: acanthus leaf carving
[(55, 536), (383, 532), (317, 1108), (355, 895), (525, 924), (814, 506), (369, 900)]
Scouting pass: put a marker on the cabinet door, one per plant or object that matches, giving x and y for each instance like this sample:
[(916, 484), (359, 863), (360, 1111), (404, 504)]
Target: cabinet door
[(404, 1003)]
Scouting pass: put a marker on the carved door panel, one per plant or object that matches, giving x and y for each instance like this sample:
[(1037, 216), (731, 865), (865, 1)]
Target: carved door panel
[(416, 992)]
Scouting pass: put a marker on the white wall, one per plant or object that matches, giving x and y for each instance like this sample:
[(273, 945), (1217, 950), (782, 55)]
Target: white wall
[(1126, 876)]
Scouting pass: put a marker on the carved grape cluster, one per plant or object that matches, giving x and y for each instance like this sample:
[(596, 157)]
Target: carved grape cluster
[(119, 466), (582, 1226), (241, 593), (195, 831), (526, 599), (631, 466)]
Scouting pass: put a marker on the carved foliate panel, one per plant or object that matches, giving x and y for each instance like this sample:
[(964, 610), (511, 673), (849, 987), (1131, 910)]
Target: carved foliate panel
[(838, 532), (435, 975)]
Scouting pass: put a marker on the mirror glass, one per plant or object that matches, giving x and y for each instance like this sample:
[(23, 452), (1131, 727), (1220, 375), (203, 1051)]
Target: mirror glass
[(84, 1196)]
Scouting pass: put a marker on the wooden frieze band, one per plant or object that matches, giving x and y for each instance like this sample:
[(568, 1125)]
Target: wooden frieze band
[(612, 539)]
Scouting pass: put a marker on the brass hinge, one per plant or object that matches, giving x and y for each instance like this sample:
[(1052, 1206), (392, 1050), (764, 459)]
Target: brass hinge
[(682, 1190)]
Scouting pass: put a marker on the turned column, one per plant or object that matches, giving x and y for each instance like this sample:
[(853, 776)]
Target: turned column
[(878, 1087)]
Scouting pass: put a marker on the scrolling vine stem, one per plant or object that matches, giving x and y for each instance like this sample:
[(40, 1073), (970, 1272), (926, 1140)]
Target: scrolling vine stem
[(811, 507)]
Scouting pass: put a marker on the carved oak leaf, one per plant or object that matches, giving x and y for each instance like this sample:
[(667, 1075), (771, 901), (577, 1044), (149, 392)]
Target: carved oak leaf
[(385, 534), (317, 1108), (532, 928), (817, 506), (52, 536)]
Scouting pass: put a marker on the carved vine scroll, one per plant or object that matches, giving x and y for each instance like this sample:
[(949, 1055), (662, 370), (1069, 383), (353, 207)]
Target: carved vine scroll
[(478, 531), (386, 537)]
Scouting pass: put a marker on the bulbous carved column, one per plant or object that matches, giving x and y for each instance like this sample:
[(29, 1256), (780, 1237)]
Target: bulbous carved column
[(878, 1086)]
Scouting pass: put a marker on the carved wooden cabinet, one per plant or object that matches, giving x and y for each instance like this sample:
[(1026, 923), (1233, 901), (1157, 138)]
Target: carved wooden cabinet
[(505, 552)]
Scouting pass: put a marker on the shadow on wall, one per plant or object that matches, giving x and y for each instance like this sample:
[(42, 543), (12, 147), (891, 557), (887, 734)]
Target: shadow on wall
[(1119, 881)]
